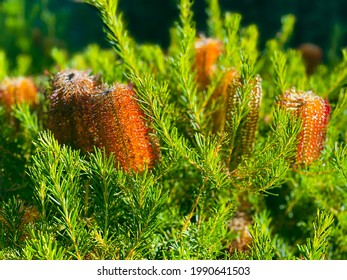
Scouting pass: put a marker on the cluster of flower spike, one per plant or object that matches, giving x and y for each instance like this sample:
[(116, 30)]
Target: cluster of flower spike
[(314, 113), (85, 113), (17, 90)]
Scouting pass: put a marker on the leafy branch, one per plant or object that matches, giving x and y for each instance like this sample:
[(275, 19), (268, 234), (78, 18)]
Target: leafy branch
[(317, 247)]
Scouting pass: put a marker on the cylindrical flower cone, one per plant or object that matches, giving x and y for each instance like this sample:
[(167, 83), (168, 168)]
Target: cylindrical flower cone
[(240, 225), (221, 95), (246, 138), (314, 112), (207, 52), (312, 56), (122, 128), (70, 108)]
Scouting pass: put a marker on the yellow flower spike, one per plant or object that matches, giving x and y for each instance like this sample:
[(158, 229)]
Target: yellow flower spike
[(221, 95), (248, 131)]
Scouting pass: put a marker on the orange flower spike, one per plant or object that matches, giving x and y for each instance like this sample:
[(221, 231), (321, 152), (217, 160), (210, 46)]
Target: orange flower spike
[(70, 109), (314, 112), (207, 52), (122, 128), (17, 90)]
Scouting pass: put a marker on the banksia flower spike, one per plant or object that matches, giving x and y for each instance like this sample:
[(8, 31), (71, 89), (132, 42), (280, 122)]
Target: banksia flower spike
[(249, 128), (85, 114), (17, 90), (314, 112), (207, 52), (122, 128), (70, 108), (220, 95)]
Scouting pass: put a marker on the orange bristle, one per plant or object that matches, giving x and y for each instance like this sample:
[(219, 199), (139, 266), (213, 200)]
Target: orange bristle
[(122, 128)]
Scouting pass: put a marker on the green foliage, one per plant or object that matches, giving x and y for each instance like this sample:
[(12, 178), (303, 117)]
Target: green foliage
[(262, 245), (340, 161), (11, 219), (28, 33), (317, 247), (43, 246), (60, 203), (270, 164)]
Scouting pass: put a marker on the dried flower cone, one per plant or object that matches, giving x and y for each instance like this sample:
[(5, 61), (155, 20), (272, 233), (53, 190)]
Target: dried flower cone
[(17, 90), (248, 131), (314, 112), (207, 52), (122, 128), (70, 108)]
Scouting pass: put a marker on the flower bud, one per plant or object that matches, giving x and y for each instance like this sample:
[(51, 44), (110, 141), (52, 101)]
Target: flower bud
[(220, 95)]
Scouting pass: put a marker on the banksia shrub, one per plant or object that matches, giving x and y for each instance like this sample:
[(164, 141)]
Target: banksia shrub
[(17, 90), (224, 187), (314, 113), (207, 52), (84, 114)]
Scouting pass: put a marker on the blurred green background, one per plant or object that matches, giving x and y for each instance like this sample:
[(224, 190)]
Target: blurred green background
[(34, 27)]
